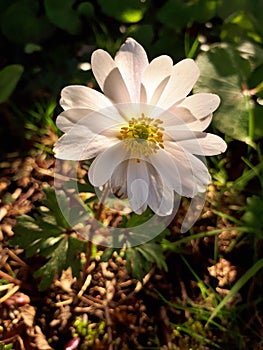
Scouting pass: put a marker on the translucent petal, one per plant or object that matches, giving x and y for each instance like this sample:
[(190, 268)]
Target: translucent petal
[(201, 104), (183, 77), (76, 146), (200, 124), (161, 197), (118, 180), (137, 185), (194, 175), (103, 166), (204, 144), (78, 96), (105, 119), (115, 87), (158, 69), (102, 64), (132, 61)]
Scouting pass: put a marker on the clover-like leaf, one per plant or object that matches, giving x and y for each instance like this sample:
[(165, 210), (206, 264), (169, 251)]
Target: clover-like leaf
[(21, 22), (9, 77), (49, 235), (225, 72)]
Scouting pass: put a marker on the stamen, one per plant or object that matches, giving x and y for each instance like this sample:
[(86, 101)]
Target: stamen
[(143, 136)]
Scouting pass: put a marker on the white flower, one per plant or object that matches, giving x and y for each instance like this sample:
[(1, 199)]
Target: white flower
[(145, 134)]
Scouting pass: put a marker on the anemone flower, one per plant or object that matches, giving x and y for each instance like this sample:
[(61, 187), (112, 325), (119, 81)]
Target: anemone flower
[(144, 131)]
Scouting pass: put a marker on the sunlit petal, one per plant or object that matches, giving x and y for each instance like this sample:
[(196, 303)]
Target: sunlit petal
[(78, 96), (106, 162), (132, 61), (158, 69), (184, 76), (201, 104), (138, 185)]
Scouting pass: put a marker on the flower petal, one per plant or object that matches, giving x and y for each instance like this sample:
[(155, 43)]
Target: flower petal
[(102, 64), (201, 104), (168, 170), (200, 124), (67, 119), (115, 87), (132, 61), (161, 197), (183, 77), (76, 146), (175, 116), (204, 144), (158, 69), (105, 119), (118, 180), (103, 166), (137, 185), (86, 138), (78, 96), (193, 172)]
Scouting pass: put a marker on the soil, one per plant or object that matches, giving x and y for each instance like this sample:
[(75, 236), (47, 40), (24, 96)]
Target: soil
[(106, 308)]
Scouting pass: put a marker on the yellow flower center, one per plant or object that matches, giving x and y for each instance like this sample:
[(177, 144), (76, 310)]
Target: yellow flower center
[(143, 136)]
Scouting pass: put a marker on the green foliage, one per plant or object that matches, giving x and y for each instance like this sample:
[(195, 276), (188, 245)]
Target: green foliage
[(178, 14), (140, 259), (21, 23), (225, 70), (49, 235), (129, 11), (253, 213), (9, 77), (62, 14)]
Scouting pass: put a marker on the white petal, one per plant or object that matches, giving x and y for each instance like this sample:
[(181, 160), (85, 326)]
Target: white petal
[(118, 181), (158, 69), (78, 96), (104, 165), (67, 119), (200, 124), (86, 138), (168, 170), (183, 77), (177, 116), (161, 197), (132, 60), (204, 144), (115, 88), (158, 91), (102, 64), (137, 185), (97, 121), (73, 146), (194, 175), (201, 104), (180, 132)]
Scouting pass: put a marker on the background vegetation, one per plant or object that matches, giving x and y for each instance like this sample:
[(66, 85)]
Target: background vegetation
[(200, 290)]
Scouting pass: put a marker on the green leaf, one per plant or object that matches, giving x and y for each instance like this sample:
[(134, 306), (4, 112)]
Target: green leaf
[(54, 266), (42, 235), (86, 9), (61, 13), (51, 203), (176, 14), (21, 22), (253, 212), (225, 72), (140, 259), (9, 77), (128, 11)]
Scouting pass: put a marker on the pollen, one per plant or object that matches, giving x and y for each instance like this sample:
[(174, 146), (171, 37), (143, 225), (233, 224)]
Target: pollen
[(143, 136)]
